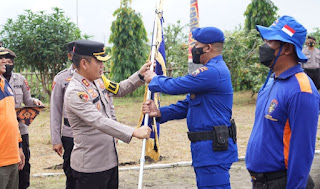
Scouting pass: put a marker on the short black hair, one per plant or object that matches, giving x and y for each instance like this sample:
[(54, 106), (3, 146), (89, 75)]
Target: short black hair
[(76, 58)]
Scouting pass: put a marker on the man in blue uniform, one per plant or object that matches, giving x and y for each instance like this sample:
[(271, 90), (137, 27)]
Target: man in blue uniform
[(282, 143), (207, 107)]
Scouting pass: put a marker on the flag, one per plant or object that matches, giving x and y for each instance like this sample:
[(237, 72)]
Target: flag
[(288, 30), (152, 144), (28, 113), (194, 23)]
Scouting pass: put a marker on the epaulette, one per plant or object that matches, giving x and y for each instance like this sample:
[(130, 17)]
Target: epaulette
[(111, 86), (62, 71)]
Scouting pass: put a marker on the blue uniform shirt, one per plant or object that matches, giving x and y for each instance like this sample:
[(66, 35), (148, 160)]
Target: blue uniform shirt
[(284, 132), (209, 104)]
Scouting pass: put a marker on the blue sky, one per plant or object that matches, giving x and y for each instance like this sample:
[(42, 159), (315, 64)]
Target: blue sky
[(95, 16)]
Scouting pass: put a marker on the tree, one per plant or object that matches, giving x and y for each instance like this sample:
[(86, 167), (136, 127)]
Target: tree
[(176, 49), (260, 12), (242, 58), (39, 40), (129, 38)]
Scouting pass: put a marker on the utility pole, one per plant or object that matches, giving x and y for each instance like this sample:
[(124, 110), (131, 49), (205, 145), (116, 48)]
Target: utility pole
[(77, 12)]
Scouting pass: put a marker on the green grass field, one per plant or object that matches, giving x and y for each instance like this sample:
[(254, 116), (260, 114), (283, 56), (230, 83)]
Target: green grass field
[(174, 144)]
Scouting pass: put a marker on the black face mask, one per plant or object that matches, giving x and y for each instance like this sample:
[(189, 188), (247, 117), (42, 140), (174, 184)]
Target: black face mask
[(266, 54), (312, 44), (196, 53), (8, 72)]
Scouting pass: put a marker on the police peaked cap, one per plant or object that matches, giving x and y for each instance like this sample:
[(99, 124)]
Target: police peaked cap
[(91, 48), (70, 46), (208, 35), (8, 52)]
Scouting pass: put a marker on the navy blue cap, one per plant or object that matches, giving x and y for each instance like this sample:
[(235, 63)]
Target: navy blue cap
[(208, 35), (288, 30), (91, 48)]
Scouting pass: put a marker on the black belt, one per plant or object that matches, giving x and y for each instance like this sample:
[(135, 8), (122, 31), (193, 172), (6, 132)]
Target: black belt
[(265, 177), (66, 122), (209, 135), (204, 135)]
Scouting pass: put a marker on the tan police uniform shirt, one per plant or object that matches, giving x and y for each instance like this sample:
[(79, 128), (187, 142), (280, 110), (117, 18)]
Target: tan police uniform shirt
[(57, 111), (22, 94), (89, 109), (313, 58)]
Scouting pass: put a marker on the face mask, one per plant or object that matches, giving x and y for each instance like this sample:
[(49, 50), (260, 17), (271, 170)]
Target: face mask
[(8, 72), (266, 55), (312, 44), (9, 68), (196, 53)]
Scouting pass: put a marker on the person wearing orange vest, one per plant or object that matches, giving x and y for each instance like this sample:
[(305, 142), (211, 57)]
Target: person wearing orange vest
[(11, 155)]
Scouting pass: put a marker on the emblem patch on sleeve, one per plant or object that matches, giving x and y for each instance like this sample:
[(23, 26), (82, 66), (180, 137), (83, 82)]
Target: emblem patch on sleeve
[(83, 96), (52, 86), (26, 82), (199, 70)]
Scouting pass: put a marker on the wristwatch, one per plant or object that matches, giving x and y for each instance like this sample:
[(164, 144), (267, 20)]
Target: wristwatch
[(141, 76)]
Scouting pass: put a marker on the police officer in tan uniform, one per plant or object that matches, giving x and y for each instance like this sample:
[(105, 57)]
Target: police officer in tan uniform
[(61, 137), (88, 105), (22, 94)]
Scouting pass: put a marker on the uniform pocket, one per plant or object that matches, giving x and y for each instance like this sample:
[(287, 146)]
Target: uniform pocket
[(18, 96)]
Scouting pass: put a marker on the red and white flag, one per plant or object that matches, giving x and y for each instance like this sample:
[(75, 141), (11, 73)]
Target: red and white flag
[(288, 30)]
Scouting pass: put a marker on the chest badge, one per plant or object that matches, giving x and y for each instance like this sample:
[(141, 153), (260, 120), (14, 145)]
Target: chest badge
[(273, 106)]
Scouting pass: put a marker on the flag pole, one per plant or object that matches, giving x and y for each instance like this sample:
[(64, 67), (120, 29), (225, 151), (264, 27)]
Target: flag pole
[(146, 117)]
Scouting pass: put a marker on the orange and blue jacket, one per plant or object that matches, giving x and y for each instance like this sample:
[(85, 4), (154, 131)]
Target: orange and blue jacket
[(10, 138), (284, 132)]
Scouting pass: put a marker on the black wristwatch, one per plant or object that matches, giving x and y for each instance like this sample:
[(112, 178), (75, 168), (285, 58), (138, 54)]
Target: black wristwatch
[(141, 76)]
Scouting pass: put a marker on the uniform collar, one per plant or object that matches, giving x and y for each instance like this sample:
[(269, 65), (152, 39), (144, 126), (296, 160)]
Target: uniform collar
[(85, 82), (215, 59), (71, 70), (289, 72)]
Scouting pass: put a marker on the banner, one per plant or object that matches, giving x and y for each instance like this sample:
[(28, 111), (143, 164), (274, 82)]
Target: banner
[(194, 23), (28, 113), (152, 144)]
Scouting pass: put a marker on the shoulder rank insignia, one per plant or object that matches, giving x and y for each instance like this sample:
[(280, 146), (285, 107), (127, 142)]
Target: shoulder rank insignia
[(83, 96), (69, 79), (85, 82), (110, 85), (199, 70)]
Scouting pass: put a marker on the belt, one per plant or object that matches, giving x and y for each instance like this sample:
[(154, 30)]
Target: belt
[(209, 135), (204, 135), (66, 122), (264, 177)]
